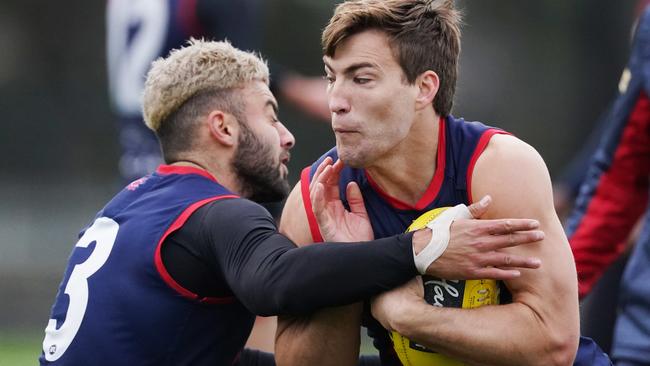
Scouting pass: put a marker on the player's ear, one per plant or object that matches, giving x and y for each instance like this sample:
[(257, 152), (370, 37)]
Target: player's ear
[(428, 84), (223, 127)]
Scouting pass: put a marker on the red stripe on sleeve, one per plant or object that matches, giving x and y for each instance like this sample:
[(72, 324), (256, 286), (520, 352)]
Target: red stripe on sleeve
[(619, 200), (306, 200)]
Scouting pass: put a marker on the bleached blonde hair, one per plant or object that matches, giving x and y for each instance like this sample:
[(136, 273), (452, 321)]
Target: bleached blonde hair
[(201, 66)]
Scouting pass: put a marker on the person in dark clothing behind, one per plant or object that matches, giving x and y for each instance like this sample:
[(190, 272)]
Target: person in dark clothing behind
[(614, 198)]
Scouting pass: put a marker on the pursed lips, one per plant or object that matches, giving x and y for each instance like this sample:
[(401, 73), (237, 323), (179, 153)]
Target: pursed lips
[(341, 130)]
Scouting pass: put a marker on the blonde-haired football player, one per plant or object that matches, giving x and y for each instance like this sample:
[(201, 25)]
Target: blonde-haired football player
[(174, 268)]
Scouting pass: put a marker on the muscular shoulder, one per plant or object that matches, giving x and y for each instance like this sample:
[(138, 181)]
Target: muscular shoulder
[(504, 146), (515, 174)]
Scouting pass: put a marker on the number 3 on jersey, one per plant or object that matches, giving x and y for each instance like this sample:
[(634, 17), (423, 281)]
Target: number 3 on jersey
[(103, 232)]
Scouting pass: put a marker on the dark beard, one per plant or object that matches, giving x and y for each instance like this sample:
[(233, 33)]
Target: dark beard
[(259, 178)]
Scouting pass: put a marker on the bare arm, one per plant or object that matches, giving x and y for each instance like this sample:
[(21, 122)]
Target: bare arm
[(333, 332), (332, 336), (541, 326)]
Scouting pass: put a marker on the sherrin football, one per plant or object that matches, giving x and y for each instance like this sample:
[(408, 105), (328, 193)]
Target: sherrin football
[(443, 293)]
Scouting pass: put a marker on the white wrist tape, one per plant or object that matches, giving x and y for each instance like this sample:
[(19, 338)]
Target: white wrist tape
[(440, 235)]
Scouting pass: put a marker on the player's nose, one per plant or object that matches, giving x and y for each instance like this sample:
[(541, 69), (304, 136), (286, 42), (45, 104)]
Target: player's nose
[(287, 141), (337, 100)]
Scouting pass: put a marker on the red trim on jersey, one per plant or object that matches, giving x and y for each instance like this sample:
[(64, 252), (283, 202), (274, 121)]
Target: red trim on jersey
[(188, 18), (160, 266), (306, 200), (478, 150), (181, 169), (619, 199), (434, 186)]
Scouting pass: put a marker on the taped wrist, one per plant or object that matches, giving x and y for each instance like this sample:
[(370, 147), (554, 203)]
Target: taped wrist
[(440, 235)]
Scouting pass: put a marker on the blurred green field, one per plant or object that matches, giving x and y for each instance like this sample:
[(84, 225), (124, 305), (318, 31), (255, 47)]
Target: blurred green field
[(23, 348), (20, 348)]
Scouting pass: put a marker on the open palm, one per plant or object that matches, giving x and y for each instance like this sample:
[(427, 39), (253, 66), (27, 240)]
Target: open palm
[(335, 222)]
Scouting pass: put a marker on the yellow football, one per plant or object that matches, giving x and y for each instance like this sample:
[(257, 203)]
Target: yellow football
[(443, 293)]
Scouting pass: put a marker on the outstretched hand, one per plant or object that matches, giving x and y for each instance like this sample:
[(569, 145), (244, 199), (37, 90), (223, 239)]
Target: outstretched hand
[(475, 247), (335, 222)]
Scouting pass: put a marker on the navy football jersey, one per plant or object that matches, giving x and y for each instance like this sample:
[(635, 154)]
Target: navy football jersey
[(117, 304), (460, 143)]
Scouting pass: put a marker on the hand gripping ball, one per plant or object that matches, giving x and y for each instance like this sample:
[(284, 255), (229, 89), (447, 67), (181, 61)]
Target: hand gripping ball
[(443, 293)]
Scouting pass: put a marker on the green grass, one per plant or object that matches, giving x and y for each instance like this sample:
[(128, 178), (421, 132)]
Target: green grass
[(20, 348)]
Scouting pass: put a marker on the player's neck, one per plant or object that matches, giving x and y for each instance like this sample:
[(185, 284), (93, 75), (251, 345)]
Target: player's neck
[(406, 171), (222, 174), (190, 163)]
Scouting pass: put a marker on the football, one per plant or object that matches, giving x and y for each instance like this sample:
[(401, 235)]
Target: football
[(442, 293)]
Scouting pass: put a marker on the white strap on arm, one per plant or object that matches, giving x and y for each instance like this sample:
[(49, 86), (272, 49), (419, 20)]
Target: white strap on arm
[(440, 235)]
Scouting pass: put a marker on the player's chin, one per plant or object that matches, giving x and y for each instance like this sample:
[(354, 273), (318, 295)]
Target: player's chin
[(351, 158), (282, 183), (283, 189)]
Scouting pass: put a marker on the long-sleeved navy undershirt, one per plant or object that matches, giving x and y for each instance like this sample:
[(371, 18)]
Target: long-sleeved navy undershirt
[(232, 247)]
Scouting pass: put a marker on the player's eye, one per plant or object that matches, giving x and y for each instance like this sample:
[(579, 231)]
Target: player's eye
[(362, 81), (330, 79)]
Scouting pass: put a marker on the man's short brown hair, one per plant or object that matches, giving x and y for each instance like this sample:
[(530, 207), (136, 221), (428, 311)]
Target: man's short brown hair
[(423, 34)]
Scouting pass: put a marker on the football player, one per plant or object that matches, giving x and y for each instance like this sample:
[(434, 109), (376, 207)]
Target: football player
[(392, 68), (172, 270)]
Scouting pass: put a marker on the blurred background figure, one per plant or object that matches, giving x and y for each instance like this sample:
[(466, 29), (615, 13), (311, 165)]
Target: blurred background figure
[(140, 31), (611, 202)]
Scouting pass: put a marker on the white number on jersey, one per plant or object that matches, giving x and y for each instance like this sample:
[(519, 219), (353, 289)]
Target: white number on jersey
[(103, 232)]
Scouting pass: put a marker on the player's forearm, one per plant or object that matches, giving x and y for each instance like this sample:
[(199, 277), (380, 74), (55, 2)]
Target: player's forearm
[(329, 337), (512, 334), (302, 280)]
